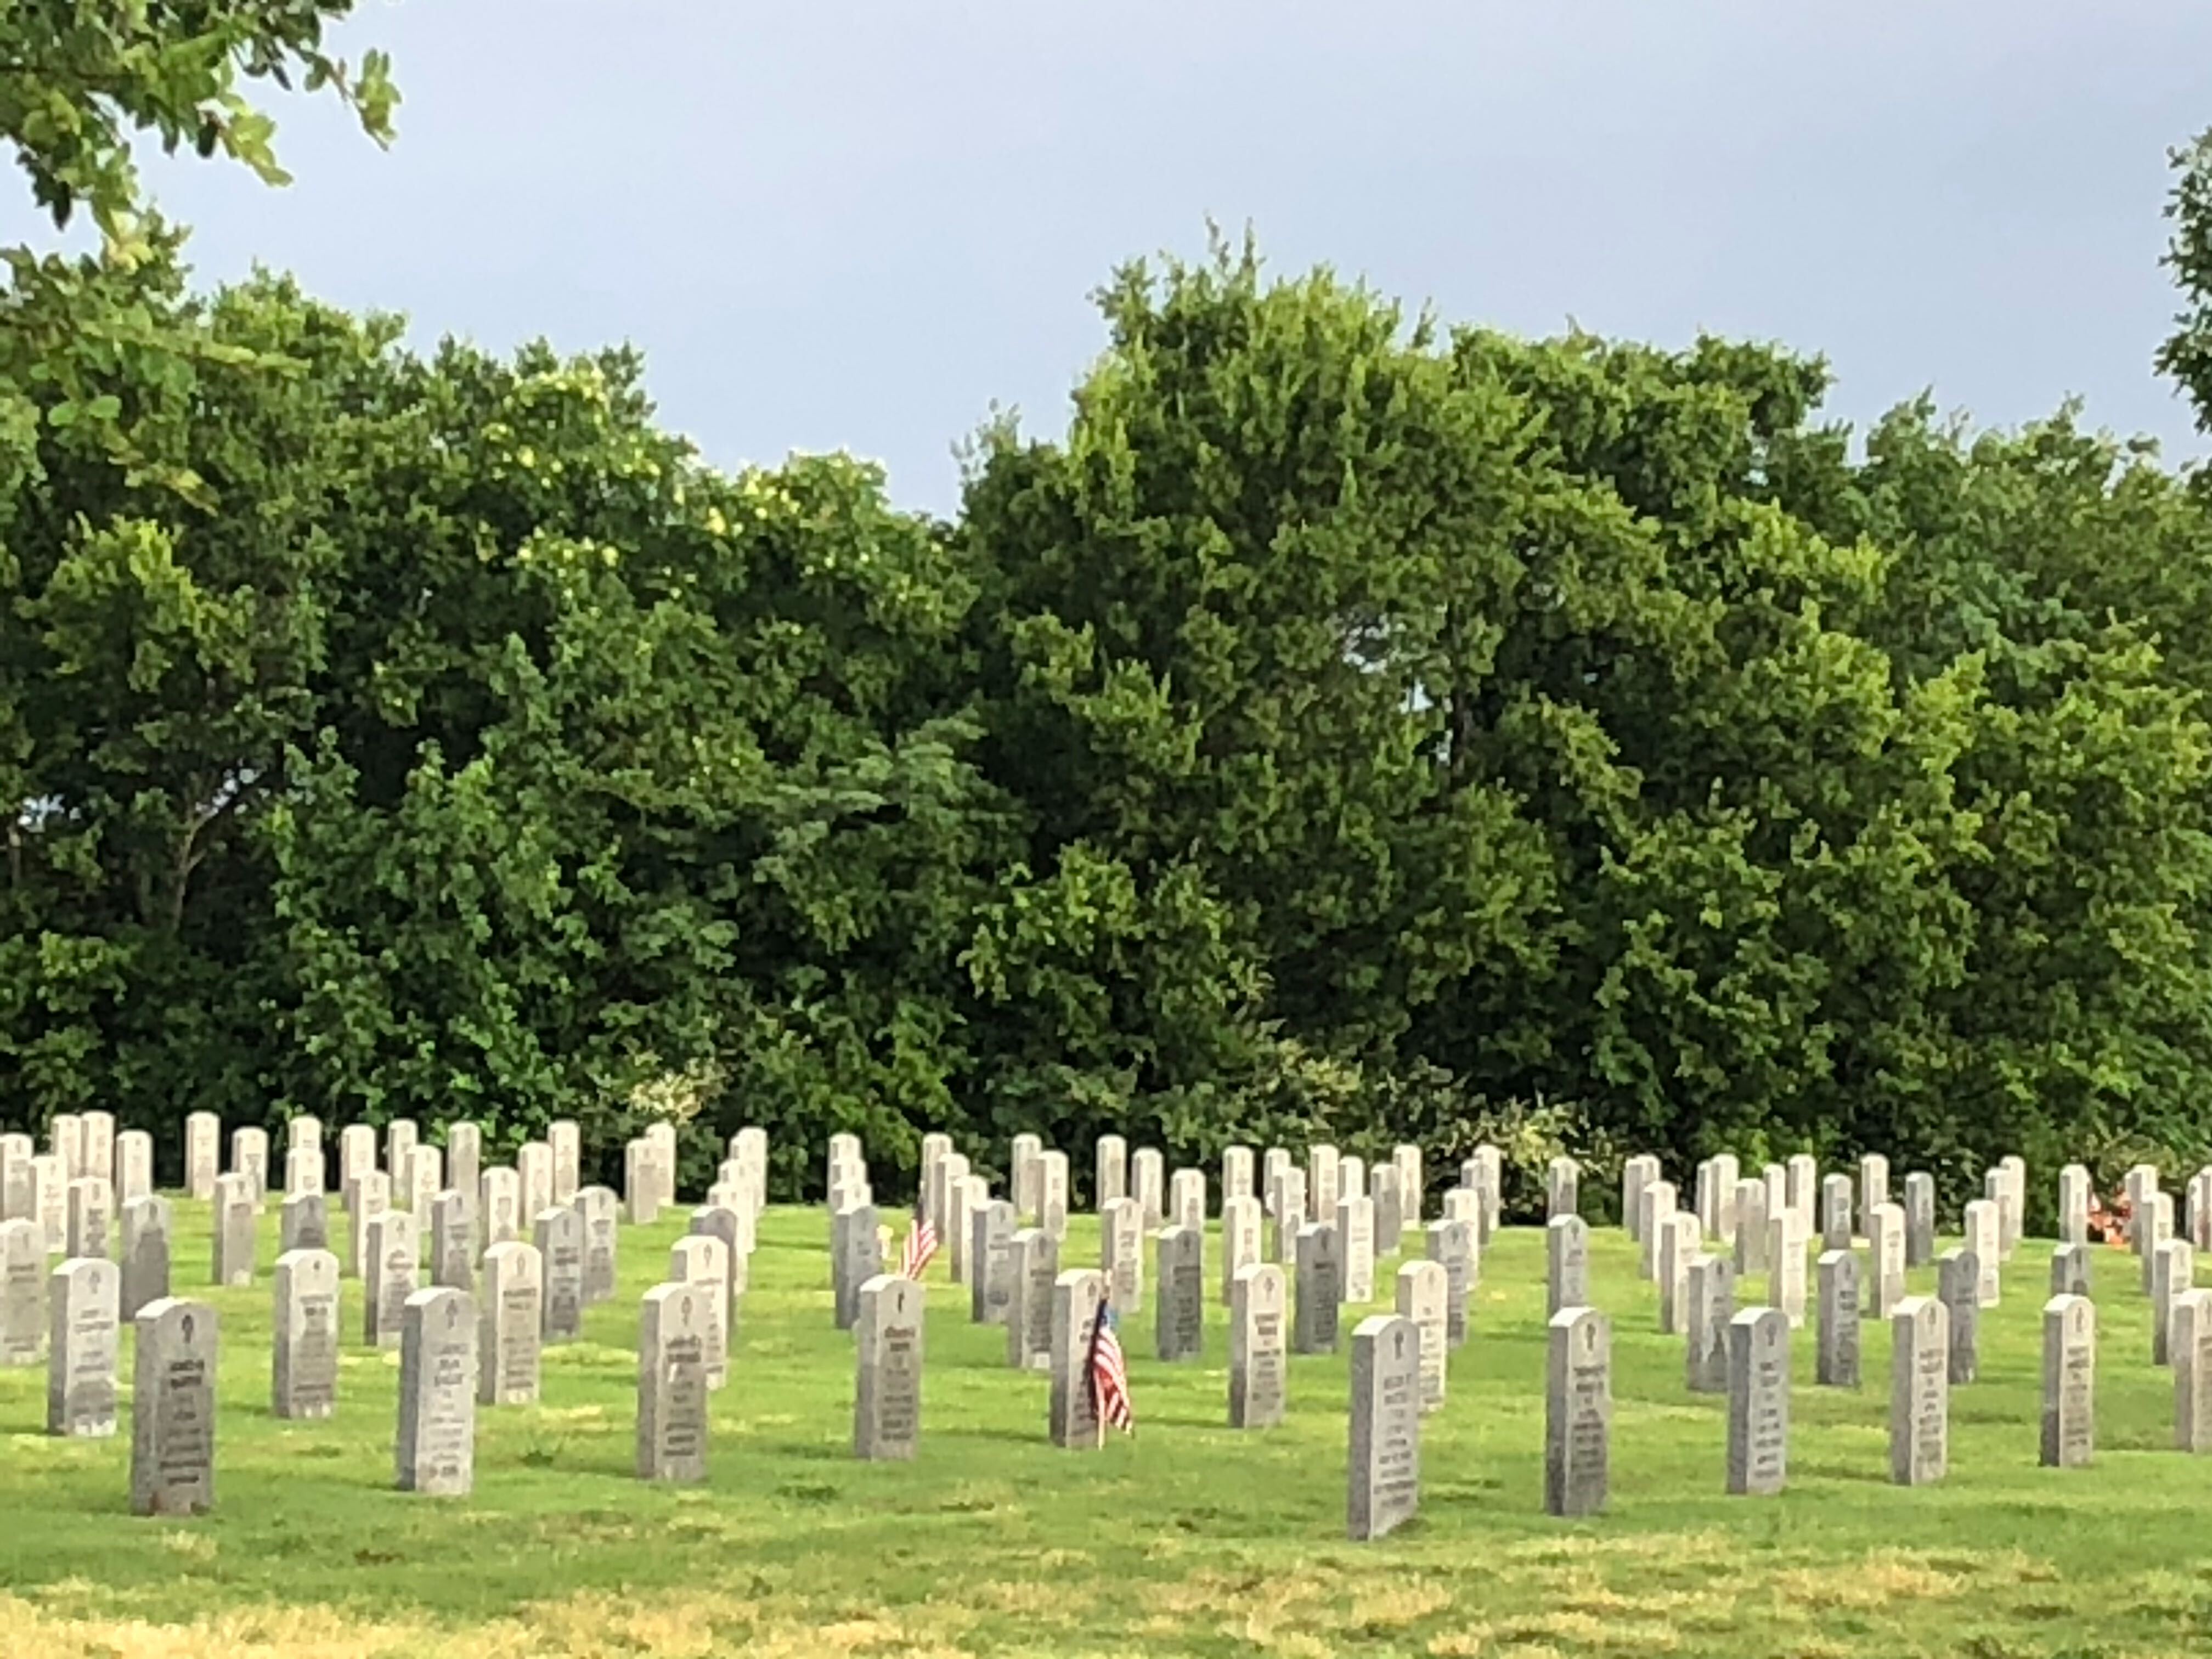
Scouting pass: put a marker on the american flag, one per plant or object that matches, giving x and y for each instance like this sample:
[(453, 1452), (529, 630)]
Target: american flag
[(1109, 1377), (920, 1244)]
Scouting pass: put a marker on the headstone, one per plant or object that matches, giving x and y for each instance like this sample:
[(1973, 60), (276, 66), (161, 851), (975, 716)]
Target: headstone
[(727, 1225), (499, 1205), (1077, 1295), (173, 1409), (50, 1197), (2074, 1193), (1148, 1186), (435, 1450), (855, 1257), (2156, 1232), (1835, 1230), (84, 1344), (1052, 1200), (1179, 1322), (1801, 1178), (146, 1233), (1874, 1184), (17, 1203), (1710, 1307), (304, 1372), (1286, 1209), (887, 1397), (453, 1247), (1406, 1159), (560, 1236), (1109, 1177), (596, 1212), (2189, 1341), (1488, 1165), (91, 1208), (65, 1144), (390, 1264), (1750, 1227), (1562, 1187), (1578, 1413), (1389, 1211), (1350, 1178), (369, 1197), (356, 1154), (2173, 1272), (702, 1261), (1421, 1296), (1187, 1198), (464, 1159), (1028, 1319), (1981, 1236), (234, 1232), (22, 1293), (426, 1179), (202, 1153), (990, 1242), (1320, 1289), (1355, 1233), (1958, 1279), (968, 1194), (1636, 1174), (1273, 1163), (303, 1133), (1836, 1364), (1566, 1263), (533, 1168), (1919, 1392), (134, 1166), (1451, 1246), (1025, 1176), (1785, 1267), (1259, 1365), (564, 1140), (641, 1185), (303, 1170), (1885, 1286), (1679, 1242), (96, 1140), (1919, 1219), (1242, 1245), (1321, 1182), (2069, 1270), (510, 1320), (1715, 1198), (1659, 1203), (303, 1223), (2069, 1382), (2012, 1218), (1759, 1401), (1385, 1487), (401, 1136), (1121, 1253)]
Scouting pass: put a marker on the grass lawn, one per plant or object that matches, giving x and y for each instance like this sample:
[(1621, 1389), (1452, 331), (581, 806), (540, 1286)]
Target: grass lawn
[(1189, 1539)]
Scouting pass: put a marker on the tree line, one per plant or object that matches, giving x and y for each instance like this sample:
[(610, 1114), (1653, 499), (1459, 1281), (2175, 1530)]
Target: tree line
[(1350, 726)]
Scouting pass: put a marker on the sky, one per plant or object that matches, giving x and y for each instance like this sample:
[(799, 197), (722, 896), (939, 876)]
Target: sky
[(834, 225)]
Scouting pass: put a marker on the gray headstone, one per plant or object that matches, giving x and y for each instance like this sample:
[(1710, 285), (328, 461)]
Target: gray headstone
[(304, 1222), (1355, 1237), (2069, 1270), (49, 1200), (1759, 1401), (356, 1154), (728, 1224), (1110, 1171), (1259, 1361), (1566, 1263), (1242, 1219), (1802, 1177), (990, 1241), (1148, 1186), (1186, 1199), (202, 1153), (2069, 1382), (235, 1229), (596, 1212), (1919, 1391), (1036, 1255), (1578, 1413), (173, 1409), (1958, 1279), (1451, 1246), (1320, 1292), (1179, 1325), (1052, 1198), (1025, 1176), (401, 1136), (134, 1166), (1983, 1243), (510, 1323), (1421, 1296), (560, 1238), (856, 1255), (1077, 1297), (1385, 1487), (2074, 1195), (454, 1239), (304, 1371), (84, 1347), (390, 1272), (499, 1206), (2189, 1341), (2173, 1272), (1322, 1191), (1884, 1281), (1389, 1209), (1874, 1185), (1658, 1202), (887, 1397), (640, 1184), (1750, 1227), (1121, 1253), (303, 1170), (368, 1195), (533, 1168), (1711, 1306), (671, 1384), (91, 1209), (1836, 1362), (701, 1259), (1236, 1173), (1562, 1187), (435, 1450), (564, 1142), (1679, 1241), (22, 1293), (465, 1158), (1836, 1196), (147, 1226), (1785, 1267), (1286, 1211)]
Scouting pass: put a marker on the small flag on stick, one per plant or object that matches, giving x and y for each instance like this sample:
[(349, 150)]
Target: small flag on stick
[(920, 1244), (1110, 1376)]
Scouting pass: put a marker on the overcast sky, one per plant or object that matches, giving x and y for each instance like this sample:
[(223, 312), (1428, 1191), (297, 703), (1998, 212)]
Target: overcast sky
[(844, 225)]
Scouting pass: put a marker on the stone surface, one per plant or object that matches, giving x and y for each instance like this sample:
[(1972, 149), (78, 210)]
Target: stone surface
[(1785, 1267), (1241, 1243), (1355, 1234), (148, 1228), (303, 1223), (1179, 1322), (1562, 1187), (991, 1281), (1680, 1238), (559, 1234), (366, 1196), (1051, 1200), (1385, 1484), (1750, 1242), (22, 1293), (464, 1159), (1981, 1236), (597, 1211), (356, 1154), (533, 1168), (2069, 1382), (454, 1239), (1236, 1173), (855, 1257), (303, 1169), (1077, 1295), (1320, 1289), (1421, 1295), (1836, 1359), (2154, 1233), (390, 1263), (1451, 1246), (2070, 1273), (1836, 1229), (564, 1143), (1659, 1202), (887, 1393), (1710, 1305), (134, 1166), (173, 1409), (202, 1153), (1321, 1164), (91, 1211), (2173, 1272), (1413, 1195), (1109, 1170), (2074, 1193), (1259, 1360), (84, 1347), (249, 1156), (2189, 1341), (499, 1205), (303, 1379), (510, 1323), (671, 1384), (1287, 1212), (1029, 1318), (1389, 1211), (1578, 1413), (401, 1136), (435, 1451), (1759, 1401), (1566, 1263), (702, 1261), (1884, 1288), (1186, 1199), (726, 1224), (234, 1230), (641, 1185), (1121, 1253), (1874, 1185), (1148, 1185), (1919, 1391), (1958, 1287), (1637, 1173), (1801, 1180)]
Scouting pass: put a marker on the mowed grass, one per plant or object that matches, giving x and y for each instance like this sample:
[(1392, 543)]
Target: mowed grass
[(1189, 1539)]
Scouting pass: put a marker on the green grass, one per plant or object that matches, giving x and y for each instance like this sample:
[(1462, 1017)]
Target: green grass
[(1190, 1539)]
